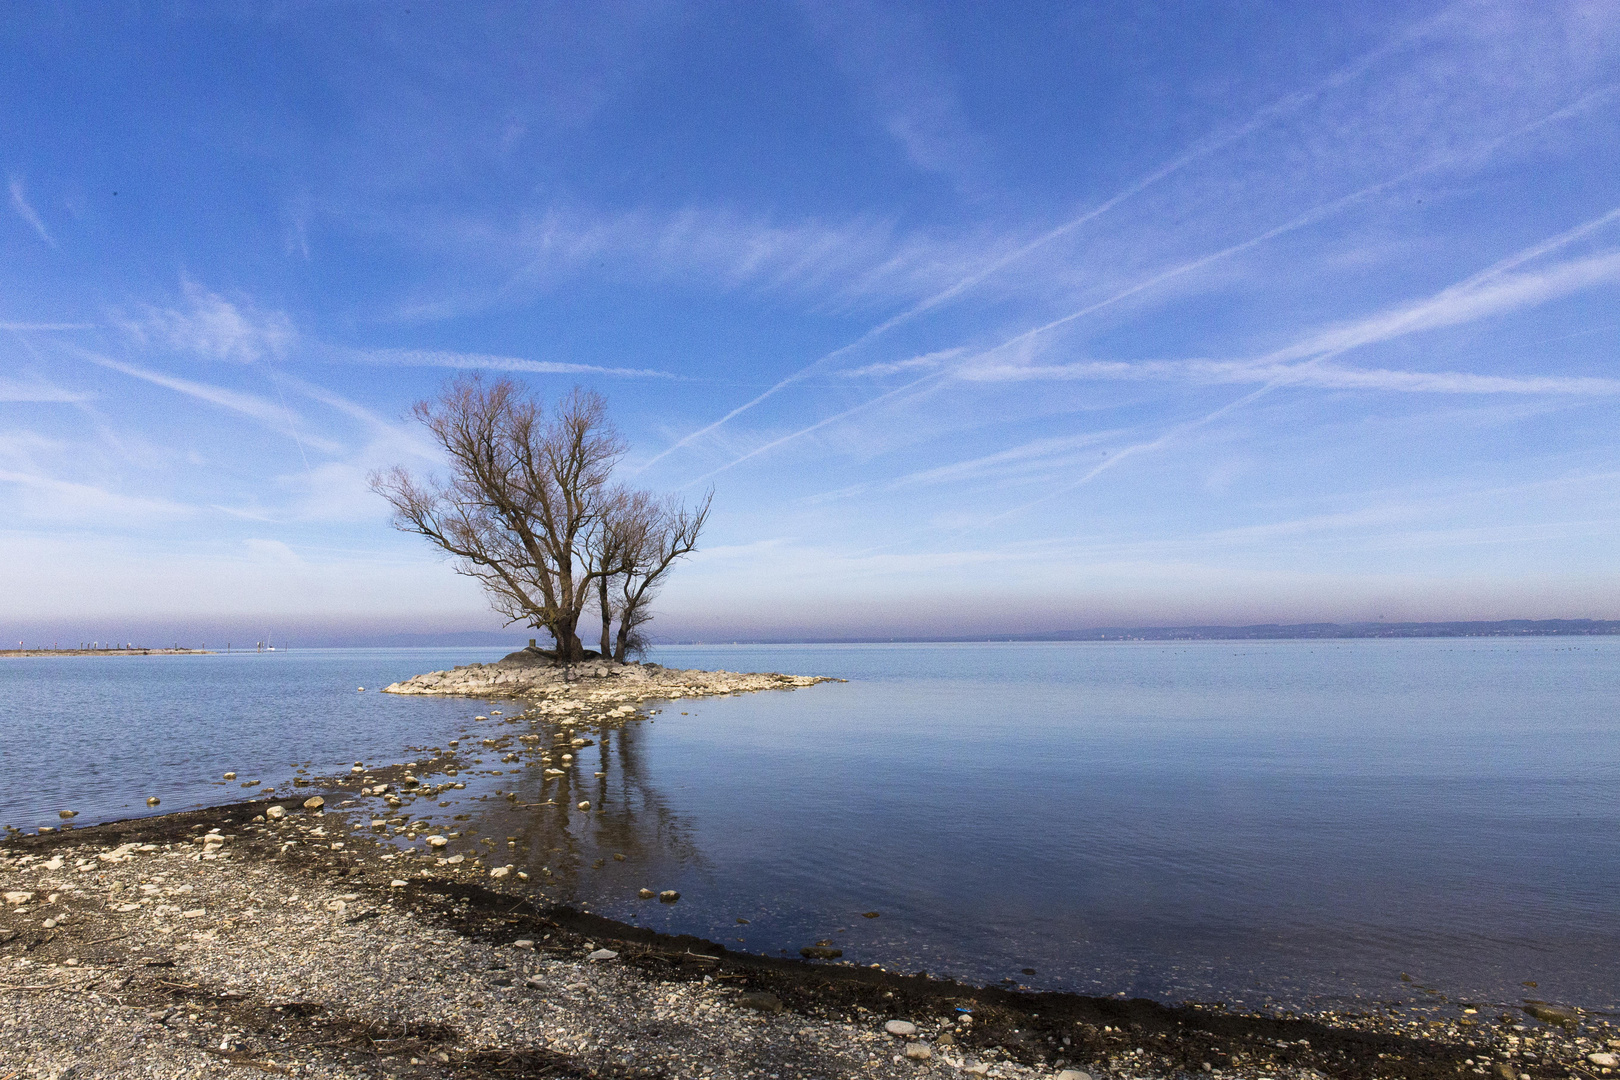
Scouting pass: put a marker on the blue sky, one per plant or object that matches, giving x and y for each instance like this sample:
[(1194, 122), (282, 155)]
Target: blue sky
[(978, 318)]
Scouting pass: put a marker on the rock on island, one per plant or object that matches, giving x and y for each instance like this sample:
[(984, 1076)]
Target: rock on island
[(531, 673)]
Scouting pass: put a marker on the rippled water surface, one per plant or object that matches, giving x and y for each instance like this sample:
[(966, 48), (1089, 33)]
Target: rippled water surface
[(1216, 821)]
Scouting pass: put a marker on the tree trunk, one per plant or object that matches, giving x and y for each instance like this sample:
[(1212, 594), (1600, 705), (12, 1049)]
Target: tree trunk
[(570, 650), (619, 646), (607, 614)]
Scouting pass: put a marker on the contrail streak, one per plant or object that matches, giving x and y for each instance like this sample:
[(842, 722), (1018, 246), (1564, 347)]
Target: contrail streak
[(1310, 217), (1496, 269), (1307, 218), (1131, 451), (1199, 150), (291, 426), (818, 424)]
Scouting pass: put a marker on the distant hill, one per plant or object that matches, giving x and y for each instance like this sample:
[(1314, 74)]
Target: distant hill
[(1258, 632), (1296, 631), (514, 639)]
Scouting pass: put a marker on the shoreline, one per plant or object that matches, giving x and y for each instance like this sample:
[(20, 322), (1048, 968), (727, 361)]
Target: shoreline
[(304, 946), (312, 943), (22, 653), (571, 700)]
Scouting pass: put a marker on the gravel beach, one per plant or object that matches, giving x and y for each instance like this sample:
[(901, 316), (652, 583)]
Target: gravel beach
[(228, 942), (304, 936)]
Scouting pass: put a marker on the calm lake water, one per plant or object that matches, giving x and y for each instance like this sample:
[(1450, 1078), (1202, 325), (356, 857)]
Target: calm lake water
[(1301, 822)]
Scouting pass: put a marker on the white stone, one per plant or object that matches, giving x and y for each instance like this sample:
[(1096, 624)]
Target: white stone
[(1073, 1074), (917, 1051), (603, 954), (1603, 1060), (437, 841), (276, 813), (500, 872), (18, 897), (396, 884), (900, 1027)]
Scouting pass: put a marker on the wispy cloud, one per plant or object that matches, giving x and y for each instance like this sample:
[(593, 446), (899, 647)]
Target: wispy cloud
[(1490, 292), (990, 262), (838, 262), (1493, 291), (482, 361), (1173, 434), (1456, 26), (1018, 343), (793, 436), (26, 211), (881, 50), (53, 498), (273, 414), (209, 325), (39, 390), (929, 362), (1325, 376), (1033, 460)]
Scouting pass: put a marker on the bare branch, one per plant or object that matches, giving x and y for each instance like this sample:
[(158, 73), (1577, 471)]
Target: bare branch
[(527, 491)]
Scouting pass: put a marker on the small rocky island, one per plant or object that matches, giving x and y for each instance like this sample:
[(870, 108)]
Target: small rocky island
[(554, 687)]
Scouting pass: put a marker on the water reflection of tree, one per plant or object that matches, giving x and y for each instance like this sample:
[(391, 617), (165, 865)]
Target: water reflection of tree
[(628, 816)]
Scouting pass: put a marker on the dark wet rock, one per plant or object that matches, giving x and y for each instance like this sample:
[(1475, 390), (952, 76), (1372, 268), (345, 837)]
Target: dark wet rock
[(668, 896), (532, 656), (1553, 1014), (820, 952), (761, 1001)]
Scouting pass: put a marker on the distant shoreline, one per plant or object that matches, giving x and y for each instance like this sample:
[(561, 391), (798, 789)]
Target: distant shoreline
[(1257, 632), (20, 653)]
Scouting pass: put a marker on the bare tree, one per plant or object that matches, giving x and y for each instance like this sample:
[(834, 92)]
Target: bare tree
[(613, 550), (664, 532), (527, 491)]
